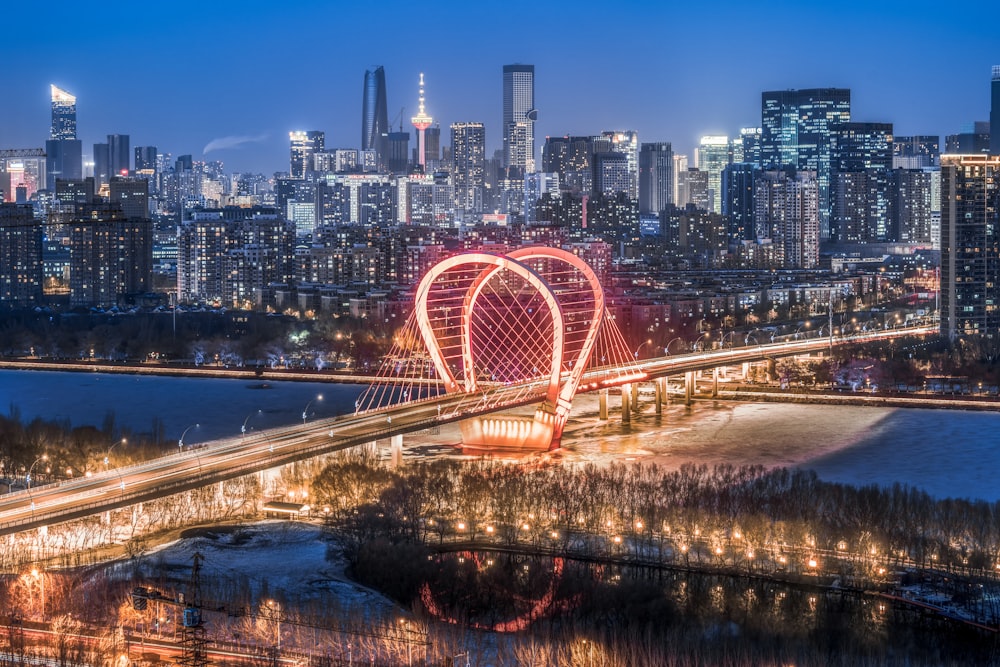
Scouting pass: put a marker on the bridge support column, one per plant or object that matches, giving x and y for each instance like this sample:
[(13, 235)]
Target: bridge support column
[(746, 370), (602, 404), (635, 395), (396, 450), (659, 391), (715, 382), (688, 387), (626, 403)]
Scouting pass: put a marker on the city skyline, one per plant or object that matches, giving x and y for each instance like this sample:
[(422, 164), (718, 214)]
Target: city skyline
[(667, 85)]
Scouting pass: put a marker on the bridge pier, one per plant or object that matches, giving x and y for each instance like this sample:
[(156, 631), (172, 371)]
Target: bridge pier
[(635, 395), (603, 404), (746, 370), (688, 387), (715, 382), (659, 390), (626, 403), (396, 450)]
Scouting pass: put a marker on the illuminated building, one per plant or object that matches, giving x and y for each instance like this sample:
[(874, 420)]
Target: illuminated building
[(970, 245), (421, 121), (22, 169), (64, 152), (656, 176), (786, 212), (712, 157), (860, 161), (468, 144), (374, 113), (63, 115), (303, 146), (20, 257), (519, 116), (995, 111), (111, 256)]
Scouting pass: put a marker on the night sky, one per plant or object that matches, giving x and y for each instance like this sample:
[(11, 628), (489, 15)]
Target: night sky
[(180, 74)]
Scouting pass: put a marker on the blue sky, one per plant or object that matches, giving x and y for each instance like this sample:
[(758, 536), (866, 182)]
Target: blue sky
[(180, 74)]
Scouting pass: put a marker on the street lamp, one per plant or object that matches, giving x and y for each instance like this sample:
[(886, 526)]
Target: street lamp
[(243, 429), (643, 344), (704, 335), (666, 350), (274, 613), (107, 461), (180, 441), (305, 411), (27, 480)]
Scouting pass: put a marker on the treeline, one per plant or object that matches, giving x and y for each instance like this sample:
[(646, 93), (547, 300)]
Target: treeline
[(738, 513)]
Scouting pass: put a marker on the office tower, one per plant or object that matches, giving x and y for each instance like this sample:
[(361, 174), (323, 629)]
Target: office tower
[(861, 158), (611, 174), (970, 245), (22, 168), (421, 121), (145, 160), (737, 200), (304, 146), (111, 256), (786, 211), (132, 194), (20, 257), (64, 152), (680, 170), (995, 111), (911, 209), (974, 138), (374, 113), (63, 115), (694, 188), (102, 165), (398, 158), (536, 185), (519, 116), (468, 145), (656, 177), (625, 142), (432, 145), (915, 152), (795, 132), (749, 141), (119, 155), (712, 157)]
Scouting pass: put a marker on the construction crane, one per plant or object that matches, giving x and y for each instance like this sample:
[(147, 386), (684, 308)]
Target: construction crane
[(398, 117)]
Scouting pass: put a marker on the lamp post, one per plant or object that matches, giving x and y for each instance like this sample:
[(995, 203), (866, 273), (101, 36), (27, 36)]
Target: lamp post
[(274, 612), (704, 335), (107, 462), (243, 429), (27, 480), (305, 411), (648, 341), (180, 441), (666, 350)]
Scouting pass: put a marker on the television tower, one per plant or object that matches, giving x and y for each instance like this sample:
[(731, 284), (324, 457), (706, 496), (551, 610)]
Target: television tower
[(421, 121)]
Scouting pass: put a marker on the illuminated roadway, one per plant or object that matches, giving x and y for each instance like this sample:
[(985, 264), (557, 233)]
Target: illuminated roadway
[(262, 450)]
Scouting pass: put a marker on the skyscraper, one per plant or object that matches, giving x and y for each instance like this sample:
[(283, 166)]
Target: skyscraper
[(860, 161), (970, 245), (20, 257), (713, 157), (374, 113), (995, 111), (795, 132), (656, 177), (63, 150), (519, 116), (63, 114), (304, 145), (468, 145), (119, 155), (785, 210)]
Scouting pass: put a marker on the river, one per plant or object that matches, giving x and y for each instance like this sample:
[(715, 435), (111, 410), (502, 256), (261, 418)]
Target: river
[(948, 453)]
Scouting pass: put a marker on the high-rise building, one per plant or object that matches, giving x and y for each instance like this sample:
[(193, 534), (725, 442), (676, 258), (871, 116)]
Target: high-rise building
[(915, 152), (119, 155), (63, 115), (737, 200), (911, 207), (64, 152), (795, 132), (749, 140), (970, 245), (304, 146), (995, 111), (713, 156), (111, 255), (468, 145), (145, 160), (22, 168), (421, 121), (611, 174), (398, 158), (625, 142), (861, 159), (656, 177), (20, 257), (680, 171), (432, 145), (786, 211), (374, 113), (132, 194), (974, 138), (519, 116), (102, 165)]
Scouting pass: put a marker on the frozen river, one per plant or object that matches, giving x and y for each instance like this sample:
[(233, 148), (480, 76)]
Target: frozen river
[(947, 453)]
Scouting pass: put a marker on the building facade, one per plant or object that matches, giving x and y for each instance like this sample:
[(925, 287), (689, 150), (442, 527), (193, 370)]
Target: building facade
[(519, 116)]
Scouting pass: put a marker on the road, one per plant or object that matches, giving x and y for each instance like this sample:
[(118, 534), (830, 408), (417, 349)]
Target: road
[(262, 450)]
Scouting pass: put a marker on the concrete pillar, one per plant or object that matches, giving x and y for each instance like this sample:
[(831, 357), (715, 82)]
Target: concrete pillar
[(688, 387), (396, 450), (715, 382), (635, 395), (746, 370), (626, 403), (603, 402), (659, 390)]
